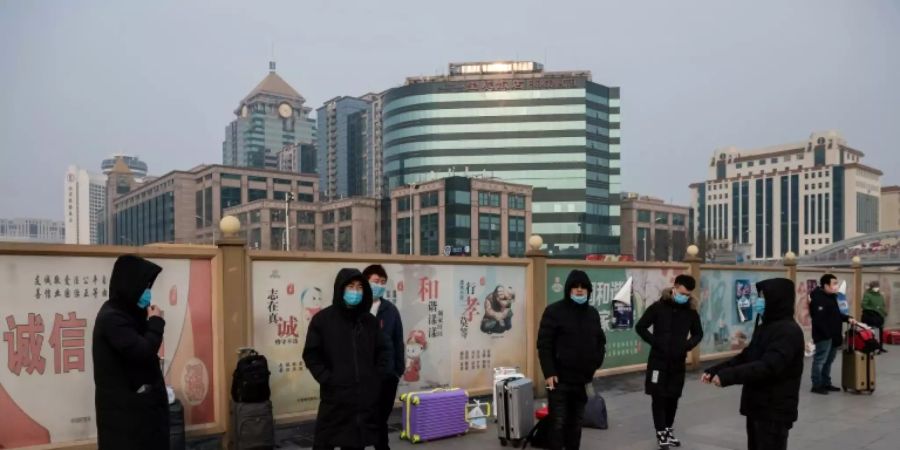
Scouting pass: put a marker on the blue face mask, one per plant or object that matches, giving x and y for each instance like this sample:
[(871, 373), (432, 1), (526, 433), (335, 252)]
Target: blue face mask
[(377, 290), (580, 299), (352, 298), (144, 301), (681, 298), (759, 306)]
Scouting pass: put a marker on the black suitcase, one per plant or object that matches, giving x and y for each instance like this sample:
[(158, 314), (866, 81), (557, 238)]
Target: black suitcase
[(253, 425), (176, 426)]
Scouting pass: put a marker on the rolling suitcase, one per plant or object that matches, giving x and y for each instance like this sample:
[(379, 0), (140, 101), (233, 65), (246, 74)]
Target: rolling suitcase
[(515, 409), (254, 426), (430, 415), (857, 367), (502, 373)]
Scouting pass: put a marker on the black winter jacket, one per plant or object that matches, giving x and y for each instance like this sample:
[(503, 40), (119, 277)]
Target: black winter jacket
[(771, 367), (392, 328), (344, 352), (125, 348), (571, 343), (669, 343), (827, 318)]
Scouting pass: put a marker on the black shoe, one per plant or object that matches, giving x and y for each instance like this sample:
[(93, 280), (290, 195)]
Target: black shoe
[(662, 439), (833, 388), (820, 390), (673, 441)]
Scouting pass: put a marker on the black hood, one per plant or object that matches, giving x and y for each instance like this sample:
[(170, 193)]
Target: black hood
[(131, 275), (578, 277), (779, 295), (345, 277)]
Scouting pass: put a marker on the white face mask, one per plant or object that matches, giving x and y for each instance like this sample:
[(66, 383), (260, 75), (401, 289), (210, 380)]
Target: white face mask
[(876, 289)]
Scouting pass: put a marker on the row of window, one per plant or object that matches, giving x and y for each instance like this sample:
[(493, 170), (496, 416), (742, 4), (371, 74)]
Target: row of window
[(660, 218), (489, 234)]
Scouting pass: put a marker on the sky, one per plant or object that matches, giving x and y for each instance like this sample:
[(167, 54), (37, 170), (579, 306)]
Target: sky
[(80, 80)]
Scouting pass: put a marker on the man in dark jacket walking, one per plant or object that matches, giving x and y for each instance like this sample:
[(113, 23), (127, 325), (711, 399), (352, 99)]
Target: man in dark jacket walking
[(344, 352), (770, 368), (388, 318), (673, 319), (571, 346), (827, 331), (130, 393)]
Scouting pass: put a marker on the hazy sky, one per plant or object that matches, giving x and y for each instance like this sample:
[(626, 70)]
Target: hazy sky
[(80, 80)]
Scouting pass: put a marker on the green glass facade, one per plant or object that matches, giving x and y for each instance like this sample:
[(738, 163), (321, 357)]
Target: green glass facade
[(558, 133)]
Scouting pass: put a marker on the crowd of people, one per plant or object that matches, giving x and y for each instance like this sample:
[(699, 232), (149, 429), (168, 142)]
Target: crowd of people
[(355, 350)]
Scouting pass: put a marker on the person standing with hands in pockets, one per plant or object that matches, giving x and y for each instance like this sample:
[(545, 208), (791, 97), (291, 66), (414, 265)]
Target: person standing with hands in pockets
[(676, 331), (571, 347)]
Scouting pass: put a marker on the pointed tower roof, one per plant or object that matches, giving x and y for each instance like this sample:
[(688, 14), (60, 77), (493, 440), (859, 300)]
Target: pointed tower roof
[(273, 84)]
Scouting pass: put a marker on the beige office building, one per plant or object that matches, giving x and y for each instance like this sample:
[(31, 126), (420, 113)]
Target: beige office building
[(653, 230)]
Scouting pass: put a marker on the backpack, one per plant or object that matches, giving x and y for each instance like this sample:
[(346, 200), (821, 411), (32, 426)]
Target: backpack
[(250, 382), (863, 340)]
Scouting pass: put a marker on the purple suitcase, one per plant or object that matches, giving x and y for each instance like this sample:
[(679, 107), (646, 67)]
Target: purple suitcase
[(430, 415)]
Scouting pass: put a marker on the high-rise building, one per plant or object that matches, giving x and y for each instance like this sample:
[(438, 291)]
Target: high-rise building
[(653, 230), (270, 117), (85, 198), (461, 217), (890, 208), (795, 197), (347, 163), (32, 230), (556, 131), (137, 167)]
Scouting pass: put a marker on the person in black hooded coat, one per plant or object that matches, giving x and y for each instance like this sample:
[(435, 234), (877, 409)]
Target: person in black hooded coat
[(344, 352), (571, 346), (130, 393), (770, 369), (673, 319)]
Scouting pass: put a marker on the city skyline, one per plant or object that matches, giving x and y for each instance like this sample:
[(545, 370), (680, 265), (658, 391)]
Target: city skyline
[(716, 77)]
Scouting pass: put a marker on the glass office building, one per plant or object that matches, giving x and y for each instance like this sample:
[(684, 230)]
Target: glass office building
[(555, 131)]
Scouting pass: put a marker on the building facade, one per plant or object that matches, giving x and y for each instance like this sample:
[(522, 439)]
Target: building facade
[(653, 230), (297, 158), (186, 206), (32, 230), (795, 197), (890, 208), (461, 216), (556, 131), (349, 147), (137, 167), (345, 226), (270, 117), (85, 198)]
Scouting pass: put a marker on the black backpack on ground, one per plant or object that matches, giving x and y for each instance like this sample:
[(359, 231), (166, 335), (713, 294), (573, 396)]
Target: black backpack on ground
[(250, 382)]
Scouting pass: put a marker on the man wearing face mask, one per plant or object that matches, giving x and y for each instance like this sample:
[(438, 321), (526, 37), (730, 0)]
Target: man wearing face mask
[(388, 318), (874, 312), (130, 393), (770, 368), (344, 352), (571, 347), (676, 330), (827, 331)]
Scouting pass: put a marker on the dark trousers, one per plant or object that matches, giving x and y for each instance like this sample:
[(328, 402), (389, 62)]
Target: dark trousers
[(767, 435), (822, 360), (566, 404), (664, 409), (874, 320), (383, 408)]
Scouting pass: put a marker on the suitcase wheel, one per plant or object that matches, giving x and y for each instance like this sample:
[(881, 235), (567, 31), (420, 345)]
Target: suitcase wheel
[(402, 397), (403, 435), (416, 439), (415, 400), (503, 442)]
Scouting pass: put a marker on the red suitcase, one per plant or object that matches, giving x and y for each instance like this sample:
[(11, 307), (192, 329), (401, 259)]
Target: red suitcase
[(892, 337)]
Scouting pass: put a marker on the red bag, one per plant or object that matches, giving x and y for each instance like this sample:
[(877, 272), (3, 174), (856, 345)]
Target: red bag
[(863, 340), (892, 337)]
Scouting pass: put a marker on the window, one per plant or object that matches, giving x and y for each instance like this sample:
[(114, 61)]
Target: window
[(306, 217), (489, 235), (459, 197), (762, 162), (257, 179), (282, 181), (403, 203), (345, 239), (305, 198), (256, 194), (643, 216), (678, 219), (404, 243), (328, 240), (428, 234), (462, 220), (489, 199), (230, 196), (255, 216), (280, 195), (306, 239), (516, 236), (643, 238), (774, 161), (328, 217), (345, 214), (749, 163), (662, 218), (740, 165), (278, 215), (800, 156), (787, 158), (516, 201), (231, 176), (429, 199)]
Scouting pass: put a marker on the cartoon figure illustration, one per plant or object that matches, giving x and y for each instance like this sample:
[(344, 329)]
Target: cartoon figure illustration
[(743, 300), (557, 285), (415, 346), (311, 299), (498, 312)]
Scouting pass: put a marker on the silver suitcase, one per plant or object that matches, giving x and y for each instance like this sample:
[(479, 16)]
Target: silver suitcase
[(515, 409)]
